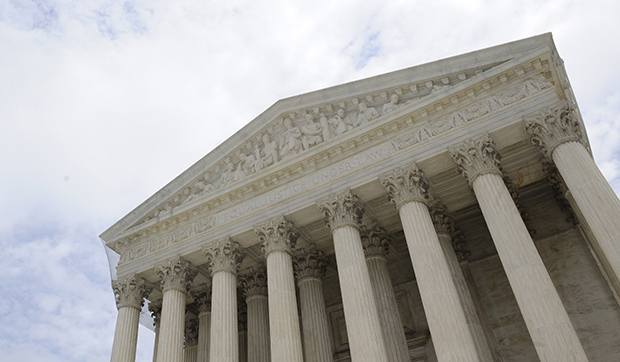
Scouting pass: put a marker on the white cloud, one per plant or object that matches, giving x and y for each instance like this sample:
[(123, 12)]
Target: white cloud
[(104, 102)]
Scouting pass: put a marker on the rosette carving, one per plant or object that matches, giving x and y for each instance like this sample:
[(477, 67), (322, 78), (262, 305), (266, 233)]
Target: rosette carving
[(375, 241), (475, 157), (254, 281), (224, 255), (406, 184), (552, 127), (341, 209), (276, 235), (130, 291), (177, 273), (309, 263)]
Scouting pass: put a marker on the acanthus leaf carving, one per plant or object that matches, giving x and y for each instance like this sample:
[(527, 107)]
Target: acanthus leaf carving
[(130, 291), (442, 220), (553, 126), (202, 297), (176, 274), (254, 281), (155, 309), (405, 185), (276, 235), (309, 263), (191, 332), (224, 255), (341, 209), (475, 157), (375, 241)]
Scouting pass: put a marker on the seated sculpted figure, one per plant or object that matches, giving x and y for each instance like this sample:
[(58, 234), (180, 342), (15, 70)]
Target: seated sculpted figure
[(389, 107), (228, 175), (247, 164), (199, 189), (365, 114), (270, 152), (291, 140), (340, 124), (312, 133)]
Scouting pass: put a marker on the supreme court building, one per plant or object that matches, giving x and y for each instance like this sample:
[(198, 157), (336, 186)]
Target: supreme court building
[(447, 212)]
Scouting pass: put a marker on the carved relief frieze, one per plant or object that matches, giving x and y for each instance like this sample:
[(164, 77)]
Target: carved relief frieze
[(490, 105)]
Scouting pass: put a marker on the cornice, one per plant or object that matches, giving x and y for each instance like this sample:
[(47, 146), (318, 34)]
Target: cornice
[(408, 125)]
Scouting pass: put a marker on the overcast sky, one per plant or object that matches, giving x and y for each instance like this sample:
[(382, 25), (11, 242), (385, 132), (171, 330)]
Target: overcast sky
[(103, 102)]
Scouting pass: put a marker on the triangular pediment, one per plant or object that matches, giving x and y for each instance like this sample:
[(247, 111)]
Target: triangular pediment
[(302, 133)]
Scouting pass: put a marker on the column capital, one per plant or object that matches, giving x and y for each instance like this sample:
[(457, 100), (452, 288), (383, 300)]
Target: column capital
[(191, 332), (254, 282), (375, 241), (130, 291), (475, 157), (553, 126), (155, 309), (202, 297), (442, 220), (276, 235), (555, 179), (341, 209), (224, 255), (309, 263), (405, 185), (176, 273)]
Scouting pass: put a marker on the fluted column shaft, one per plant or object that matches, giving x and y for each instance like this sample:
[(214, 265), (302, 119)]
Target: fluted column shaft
[(446, 318), (126, 334), (317, 343), (243, 346), (597, 201), (155, 345), (204, 335), (393, 332), (550, 327), (467, 303), (170, 345), (258, 328), (360, 309), (224, 345), (191, 354), (283, 318)]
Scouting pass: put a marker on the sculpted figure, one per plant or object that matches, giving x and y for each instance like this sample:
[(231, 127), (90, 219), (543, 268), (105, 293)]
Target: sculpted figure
[(389, 107), (228, 175), (312, 133), (325, 125), (247, 164), (291, 140), (199, 189), (365, 114), (270, 152), (340, 124), (259, 163)]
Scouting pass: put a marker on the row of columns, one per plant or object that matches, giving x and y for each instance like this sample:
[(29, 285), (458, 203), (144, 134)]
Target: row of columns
[(374, 328)]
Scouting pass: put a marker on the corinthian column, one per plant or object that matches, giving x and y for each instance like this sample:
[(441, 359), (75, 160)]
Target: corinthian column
[(550, 327), (559, 135), (224, 258), (444, 226), (254, 284), (309, 266), (191, 341), (447, 321), (278, 237), (130, 292), (155, 309), (175, 275), (343, 215), (203, 299), (376, 248)]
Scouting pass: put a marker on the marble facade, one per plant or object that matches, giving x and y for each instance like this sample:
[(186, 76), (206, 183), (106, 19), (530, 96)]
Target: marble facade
[(450, 211)]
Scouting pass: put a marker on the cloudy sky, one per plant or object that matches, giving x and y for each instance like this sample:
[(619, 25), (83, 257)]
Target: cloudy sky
[(103, 102)]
